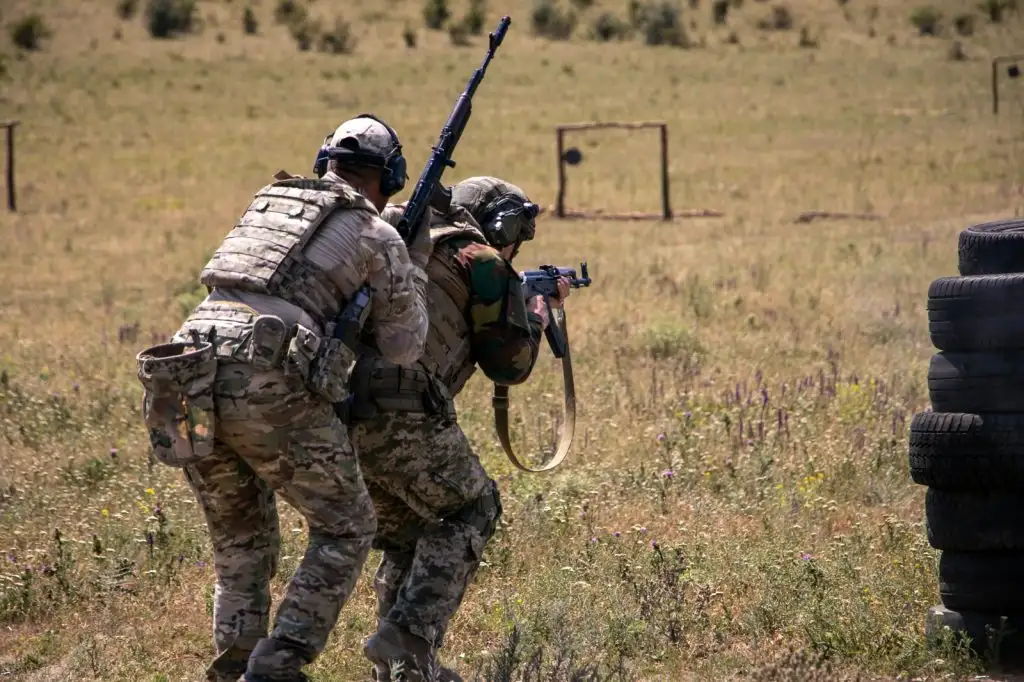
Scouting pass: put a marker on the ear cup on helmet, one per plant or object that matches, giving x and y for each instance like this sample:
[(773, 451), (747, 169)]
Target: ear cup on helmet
[(393, 175), (507, 219)]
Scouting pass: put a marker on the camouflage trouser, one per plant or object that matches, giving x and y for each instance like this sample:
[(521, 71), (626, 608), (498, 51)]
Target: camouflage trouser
[(273, 436), (436, 508)]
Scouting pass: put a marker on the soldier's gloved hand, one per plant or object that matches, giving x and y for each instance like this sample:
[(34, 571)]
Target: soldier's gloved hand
[(422, 246), (536, 306)]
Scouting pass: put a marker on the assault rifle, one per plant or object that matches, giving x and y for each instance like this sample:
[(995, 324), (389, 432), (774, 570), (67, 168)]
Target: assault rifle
[(544, 281), (428, 192)]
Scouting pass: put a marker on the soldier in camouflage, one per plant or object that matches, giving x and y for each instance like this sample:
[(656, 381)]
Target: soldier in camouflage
[(436, 506), (296, 257)]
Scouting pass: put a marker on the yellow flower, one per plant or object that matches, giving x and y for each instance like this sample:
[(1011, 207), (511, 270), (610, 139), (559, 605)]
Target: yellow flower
[(105, 513), (150, 491)]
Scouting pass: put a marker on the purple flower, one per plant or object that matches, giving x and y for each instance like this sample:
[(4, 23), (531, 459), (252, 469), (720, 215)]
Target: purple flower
[(113, 452), (654, 544), (617, 534), (806, 557), (643, 529), (593, 540), (201, 564), (667, 473), (661, 437), (687, 414)]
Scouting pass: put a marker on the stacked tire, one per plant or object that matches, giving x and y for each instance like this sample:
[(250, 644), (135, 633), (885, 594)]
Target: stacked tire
[(969, 450)]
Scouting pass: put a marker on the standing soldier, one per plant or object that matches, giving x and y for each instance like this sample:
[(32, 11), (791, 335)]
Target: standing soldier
[(435, 504), (296, 258)]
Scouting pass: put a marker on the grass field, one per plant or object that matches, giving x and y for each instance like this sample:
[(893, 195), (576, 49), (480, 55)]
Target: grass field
[(738, 486)]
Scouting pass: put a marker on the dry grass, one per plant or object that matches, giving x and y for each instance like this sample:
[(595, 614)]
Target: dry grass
[(738, 485)]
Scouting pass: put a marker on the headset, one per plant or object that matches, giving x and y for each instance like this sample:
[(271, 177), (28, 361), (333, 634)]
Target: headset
[(508, 219), (392, 166)]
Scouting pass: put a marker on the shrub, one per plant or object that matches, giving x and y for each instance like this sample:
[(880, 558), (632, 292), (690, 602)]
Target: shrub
[(304, 32), (168, 18), (473, 21), (551, 22), (996, 8), (928, 20), (249, 22), (662, 24), (435, 14), (126, 8), (780, 19), (582, 5), (409, 36), (289, 12), (29, 32), (339, 40), (608, 27), (720, 11), (458, 34), (964, 24)]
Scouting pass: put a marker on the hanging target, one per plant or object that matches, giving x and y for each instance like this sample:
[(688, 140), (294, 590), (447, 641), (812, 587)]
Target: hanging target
[(572, 156)]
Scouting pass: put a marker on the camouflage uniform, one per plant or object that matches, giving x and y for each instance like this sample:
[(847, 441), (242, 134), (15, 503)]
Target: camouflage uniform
[(293, 261), (436, 506)]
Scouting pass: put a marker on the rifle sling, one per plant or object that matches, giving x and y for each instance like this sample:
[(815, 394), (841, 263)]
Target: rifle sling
[(500, 403)]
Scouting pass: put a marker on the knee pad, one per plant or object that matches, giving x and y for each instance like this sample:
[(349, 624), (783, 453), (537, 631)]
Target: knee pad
[(482, 513)]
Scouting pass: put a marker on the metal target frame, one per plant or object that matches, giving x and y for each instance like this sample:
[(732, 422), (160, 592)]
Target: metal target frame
[(573, 157), (1013, 71)]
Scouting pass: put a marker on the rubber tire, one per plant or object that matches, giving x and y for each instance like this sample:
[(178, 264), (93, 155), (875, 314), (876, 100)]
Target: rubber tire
[(977, 382), (974, 522), (976, 313), (982, 581), (974, 624), (994, 248), (968, 452)]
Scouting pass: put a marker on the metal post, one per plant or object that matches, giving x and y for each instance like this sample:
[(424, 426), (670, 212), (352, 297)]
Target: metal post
[(666, 208), (560, 201), (1002, 59), (995, 86), (11, 201)]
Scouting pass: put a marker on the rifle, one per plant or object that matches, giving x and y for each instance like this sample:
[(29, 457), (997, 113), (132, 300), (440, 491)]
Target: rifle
[(544, 282), (429, 188), (428, 192)]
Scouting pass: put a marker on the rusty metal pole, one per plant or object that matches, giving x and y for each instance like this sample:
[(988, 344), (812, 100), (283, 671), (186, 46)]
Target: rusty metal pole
[(996, 61), (995, 85), (11, 200), (560, 200), (666, 208)]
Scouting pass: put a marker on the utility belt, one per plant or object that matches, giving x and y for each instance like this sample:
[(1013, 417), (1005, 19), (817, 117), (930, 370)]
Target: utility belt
[(178, 377), (377, 387)]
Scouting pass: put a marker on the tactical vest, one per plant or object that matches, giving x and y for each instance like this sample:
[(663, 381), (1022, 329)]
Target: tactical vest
[(447, 354), (263, 254)]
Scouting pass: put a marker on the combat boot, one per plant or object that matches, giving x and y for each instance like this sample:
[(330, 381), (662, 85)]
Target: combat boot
[(394, 644)]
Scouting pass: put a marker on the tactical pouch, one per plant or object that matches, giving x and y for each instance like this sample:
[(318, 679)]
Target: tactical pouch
[(266, 347), (322, 362), (178, 399)]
